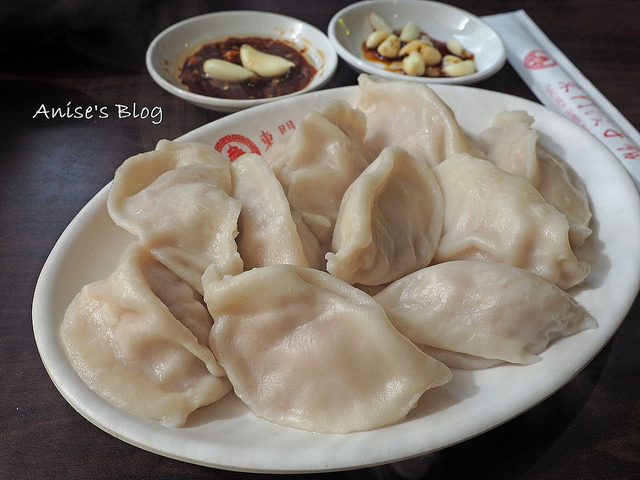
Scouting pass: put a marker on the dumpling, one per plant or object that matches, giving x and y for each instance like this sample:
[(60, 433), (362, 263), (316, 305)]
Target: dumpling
[(483, 309), (306, 350), (512, 144), (175, 199), (559, 186), (267, 231), (461, 361), (389, 222), (139, 338), (317, 164), (499, 217), (351, 121), (412, 116), (310, 243)]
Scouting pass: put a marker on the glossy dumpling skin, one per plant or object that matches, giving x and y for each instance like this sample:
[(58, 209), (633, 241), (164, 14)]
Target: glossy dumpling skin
[(306, 350), (317, 163), (412, 116), (512, 144), (267, 232), (499, 217), (483, 309), (176, 200), (139, 338), (389, 222), (458, 360)]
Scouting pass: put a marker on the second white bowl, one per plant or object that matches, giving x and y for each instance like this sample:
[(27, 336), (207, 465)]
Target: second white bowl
[(350, 27), (167, 51)]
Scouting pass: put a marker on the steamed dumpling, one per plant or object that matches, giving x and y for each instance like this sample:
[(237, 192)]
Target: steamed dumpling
[(496, 216), (512, 144), (313, 251), (459, 360), (561, 188), (306, 350), (318, 162), (412, 116), (139, 338), (389, 222), (482, 309), (268, 233), (175, 199)]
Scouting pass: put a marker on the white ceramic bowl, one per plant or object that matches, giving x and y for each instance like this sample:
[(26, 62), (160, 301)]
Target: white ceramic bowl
[(350, 27), (169, 49)]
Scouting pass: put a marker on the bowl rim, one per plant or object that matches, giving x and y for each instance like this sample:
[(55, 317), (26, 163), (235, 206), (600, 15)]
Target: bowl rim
[(328, 53), (362, 66)]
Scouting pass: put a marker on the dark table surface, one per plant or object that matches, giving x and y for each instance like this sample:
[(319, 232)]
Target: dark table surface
[(86, 52)]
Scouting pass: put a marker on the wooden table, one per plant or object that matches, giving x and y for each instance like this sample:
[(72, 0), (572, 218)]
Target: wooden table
[(49, 169)]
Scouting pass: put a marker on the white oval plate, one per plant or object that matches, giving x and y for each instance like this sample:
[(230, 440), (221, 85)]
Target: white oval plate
[(168, 50), (227, 435), (349, 28)]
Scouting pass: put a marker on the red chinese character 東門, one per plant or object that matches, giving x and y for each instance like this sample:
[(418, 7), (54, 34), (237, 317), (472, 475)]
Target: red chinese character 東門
[(266, 138)]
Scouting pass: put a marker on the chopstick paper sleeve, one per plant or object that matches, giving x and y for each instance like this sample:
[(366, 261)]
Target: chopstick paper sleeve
[(561, 87)]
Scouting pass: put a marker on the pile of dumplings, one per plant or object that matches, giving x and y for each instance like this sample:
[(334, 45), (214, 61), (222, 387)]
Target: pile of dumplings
[(333, 281)]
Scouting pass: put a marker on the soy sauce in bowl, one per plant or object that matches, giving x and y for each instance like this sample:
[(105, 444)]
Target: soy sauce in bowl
[(196, 80)]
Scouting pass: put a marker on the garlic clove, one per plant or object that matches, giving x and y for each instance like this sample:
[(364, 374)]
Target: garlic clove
[(413, 64), (454, 66), (454, 46), (375, 38), (431, 55), (450, 60), (410, 32), (390, 47), (228, 71), (378, 22), (412, 46), (264, 64), (426, 39)]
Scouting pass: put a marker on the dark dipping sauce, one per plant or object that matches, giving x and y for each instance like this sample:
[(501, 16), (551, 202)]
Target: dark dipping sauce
[(197, 81), (434, 71)]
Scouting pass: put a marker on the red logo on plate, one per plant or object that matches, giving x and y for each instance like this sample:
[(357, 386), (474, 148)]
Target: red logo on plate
[(537, 59), (234, 145)]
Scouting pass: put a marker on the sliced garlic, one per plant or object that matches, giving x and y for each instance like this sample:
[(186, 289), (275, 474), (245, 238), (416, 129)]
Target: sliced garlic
[(263, 64), (376, 37), (378, 22), (410, 32), (228, 71), (390, 47)]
